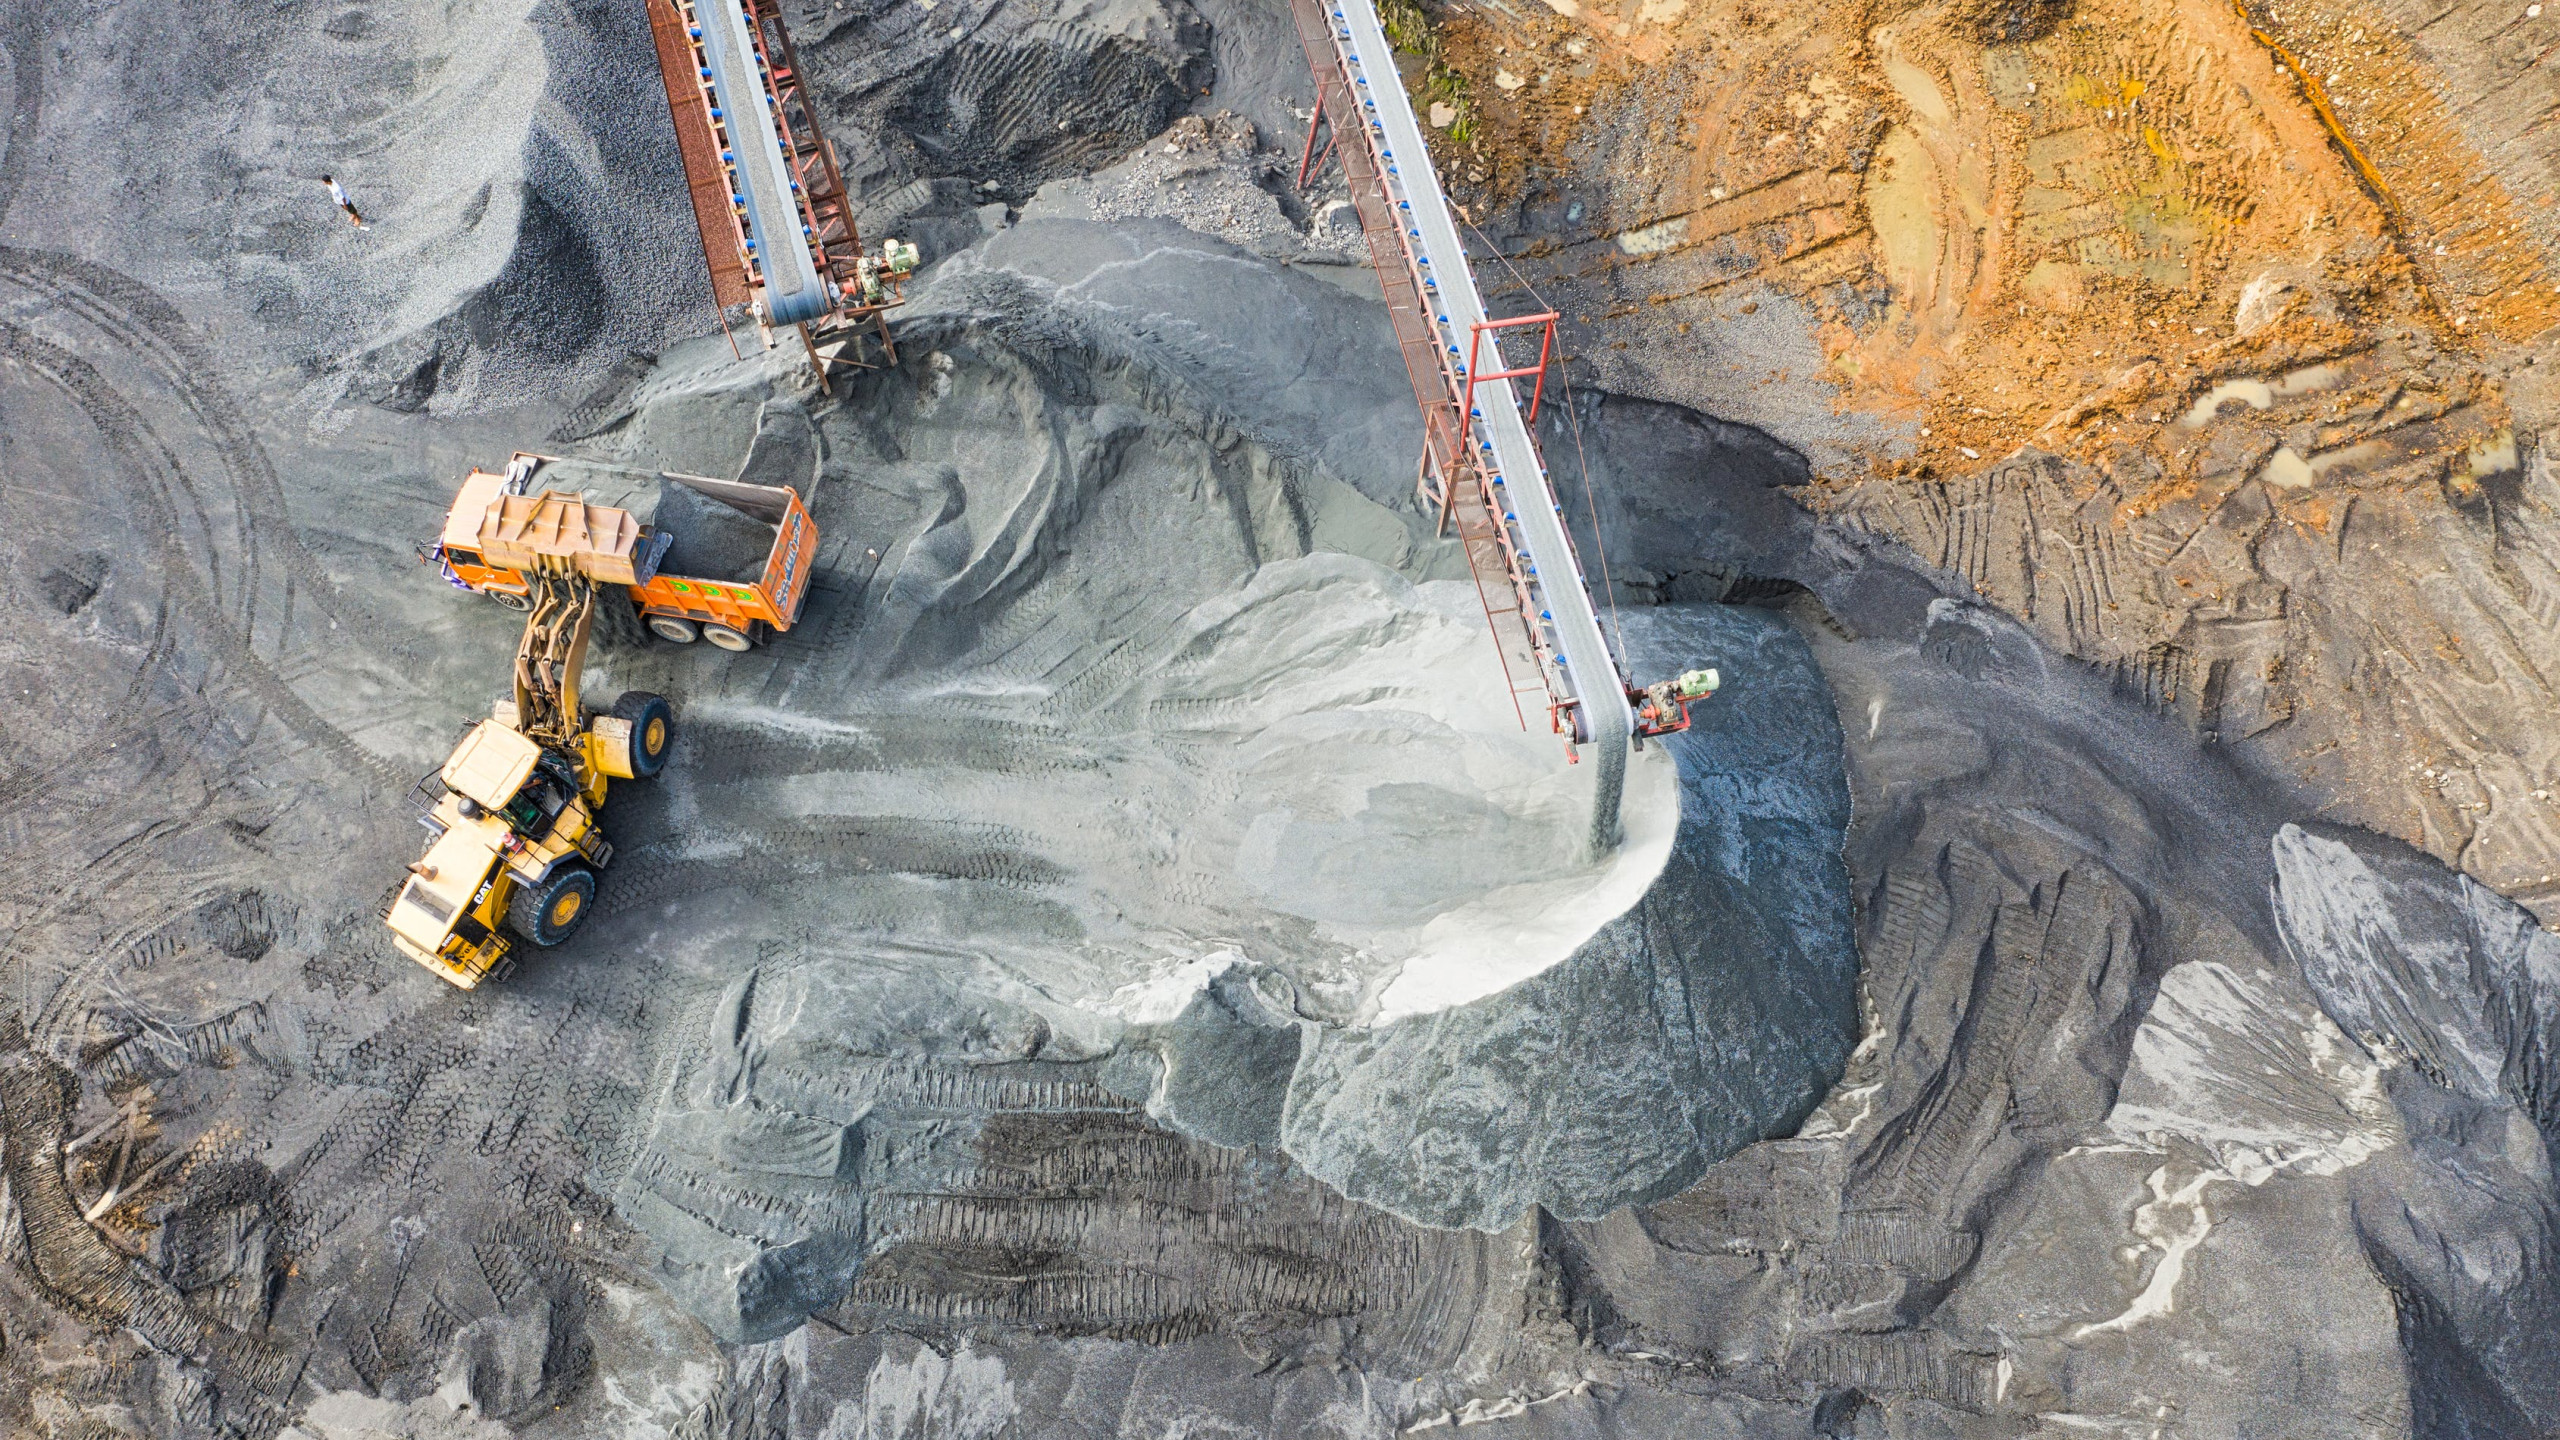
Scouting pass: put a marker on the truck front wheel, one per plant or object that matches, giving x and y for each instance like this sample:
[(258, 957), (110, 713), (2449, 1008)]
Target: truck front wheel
[(551, 909)]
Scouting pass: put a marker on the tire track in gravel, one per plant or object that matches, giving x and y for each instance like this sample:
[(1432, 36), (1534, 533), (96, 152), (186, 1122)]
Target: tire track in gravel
[(870, 845), (56, 1026), (147, 328), (152, 473), (148, 473), (119, 848)]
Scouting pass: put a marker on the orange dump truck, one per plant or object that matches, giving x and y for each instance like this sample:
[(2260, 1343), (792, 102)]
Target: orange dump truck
[(702, 559)]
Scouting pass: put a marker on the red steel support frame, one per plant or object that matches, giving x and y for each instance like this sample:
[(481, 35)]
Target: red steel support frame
[(1435, 387), (1546, 349), (1311, 159)]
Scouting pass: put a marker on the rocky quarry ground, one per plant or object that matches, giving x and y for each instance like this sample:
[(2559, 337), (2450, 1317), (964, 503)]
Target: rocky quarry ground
[(1119, 966)]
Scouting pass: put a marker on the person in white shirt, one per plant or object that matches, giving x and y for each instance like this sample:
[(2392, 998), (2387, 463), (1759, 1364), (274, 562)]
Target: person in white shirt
[(338, 193)]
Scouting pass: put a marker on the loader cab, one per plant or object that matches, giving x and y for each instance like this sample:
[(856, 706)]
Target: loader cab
[(498, 771), (536, 808), (492, 767), (512, 817)]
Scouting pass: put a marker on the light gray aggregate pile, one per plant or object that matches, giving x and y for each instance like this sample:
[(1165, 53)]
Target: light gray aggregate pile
[(1066, 596), (1713, 1014)]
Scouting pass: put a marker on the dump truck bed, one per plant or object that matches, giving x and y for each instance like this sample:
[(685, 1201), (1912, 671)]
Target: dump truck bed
[(716, 551), (725, 591)]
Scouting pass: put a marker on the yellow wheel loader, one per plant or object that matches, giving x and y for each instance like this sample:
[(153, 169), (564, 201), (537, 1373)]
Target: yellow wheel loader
[(516, 848)]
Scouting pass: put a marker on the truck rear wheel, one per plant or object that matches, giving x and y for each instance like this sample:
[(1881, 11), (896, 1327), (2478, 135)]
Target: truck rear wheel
[(550, 910), (653, 730), (733, 641), (511, 599), (673, 628)]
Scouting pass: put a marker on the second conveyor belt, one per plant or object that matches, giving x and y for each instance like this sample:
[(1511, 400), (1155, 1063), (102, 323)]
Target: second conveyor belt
[(793, 289)]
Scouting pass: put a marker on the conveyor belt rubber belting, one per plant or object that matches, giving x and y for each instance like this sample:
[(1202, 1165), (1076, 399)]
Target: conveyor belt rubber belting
[(746, 122), (1480, 466)]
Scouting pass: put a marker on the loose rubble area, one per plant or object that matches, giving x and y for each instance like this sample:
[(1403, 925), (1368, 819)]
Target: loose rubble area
[(1120, 965)]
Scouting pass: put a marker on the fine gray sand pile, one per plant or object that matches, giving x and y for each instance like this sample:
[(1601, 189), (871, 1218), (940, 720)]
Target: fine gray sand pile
[(1120, 964)]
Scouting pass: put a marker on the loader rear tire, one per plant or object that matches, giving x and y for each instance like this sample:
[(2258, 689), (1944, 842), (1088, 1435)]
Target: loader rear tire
[(549, 911), (653, 731)]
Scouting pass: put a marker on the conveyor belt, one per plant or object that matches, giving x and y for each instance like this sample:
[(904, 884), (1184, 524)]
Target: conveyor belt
[(742, 109), (1581, 669)]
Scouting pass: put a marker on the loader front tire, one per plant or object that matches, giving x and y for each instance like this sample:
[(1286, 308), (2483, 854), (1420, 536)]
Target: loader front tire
[(550, 910), (653, 731)]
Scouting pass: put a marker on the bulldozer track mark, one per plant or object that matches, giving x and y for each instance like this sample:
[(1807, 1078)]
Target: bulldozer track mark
[(103, 845), (158, 1055), (846, 1091), (528, 1098), (24, 37), (71, 1264), (1114, 1225), (1909, 1362), (1101, 680), (2021, 934), (836, 614), (111, 322)]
